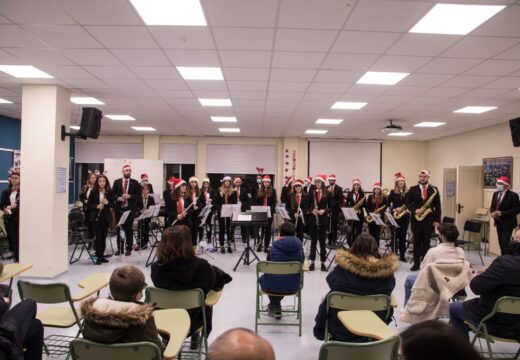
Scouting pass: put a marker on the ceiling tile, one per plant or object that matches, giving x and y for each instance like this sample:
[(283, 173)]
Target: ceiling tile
[(484, 93), (41, 12), (253, 13), (60, 71), (505, 23), (235, 73), (193, 57), (302, 14), (110, 72), (165, 84), (299, 60), (424, 79), (287, 86), (245, 58), (364, 42), (511, 54), (495, 67), (338, 76), (101, 12), (327, 88), (37, 57), (407, 64), (479, 47), (155, 72), (141, 57), (247, 85), (125, 83), (244, 38), (349, 61), (304, 40), (13, 36), (63, 37), (506, 82), (183, 37), (423, 44), (445, 91), (123, 37), (91, 57), (448, 66), (468, 81), (292, 75)]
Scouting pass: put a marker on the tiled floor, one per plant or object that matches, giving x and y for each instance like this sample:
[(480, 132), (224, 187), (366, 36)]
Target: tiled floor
[(237, 304)]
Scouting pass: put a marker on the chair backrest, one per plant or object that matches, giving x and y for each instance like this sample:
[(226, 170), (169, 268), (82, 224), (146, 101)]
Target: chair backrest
[(81, 349), (472, 226), (508, 305), (345, 301), (175, 299), (279, 268), (448, 220), (378, 350), (44, 293)]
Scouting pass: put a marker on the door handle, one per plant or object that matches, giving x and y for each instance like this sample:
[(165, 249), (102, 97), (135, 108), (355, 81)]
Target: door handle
[(459, 208)]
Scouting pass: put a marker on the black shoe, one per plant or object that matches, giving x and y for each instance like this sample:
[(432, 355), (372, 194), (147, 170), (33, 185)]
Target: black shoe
[(222, 250), (311, 267), (323, 267), (99, 261), (259, 248), (103, 260), (415, 267), (194, 344), (117, 253), (229, 250), (402, 258), (128, 252), (266, 249)]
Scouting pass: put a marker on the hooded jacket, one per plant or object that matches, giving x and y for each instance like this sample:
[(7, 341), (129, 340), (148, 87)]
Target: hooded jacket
[(288, 248), (109, 321), (358, 276)]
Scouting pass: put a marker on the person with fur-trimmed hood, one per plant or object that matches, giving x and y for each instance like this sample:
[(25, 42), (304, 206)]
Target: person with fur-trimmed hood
[(360, 271), (121, 318)]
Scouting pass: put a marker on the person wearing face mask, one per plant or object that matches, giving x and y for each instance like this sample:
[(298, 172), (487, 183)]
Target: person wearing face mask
[(504, 208), (146, 181), (424, 202), (10, 205)]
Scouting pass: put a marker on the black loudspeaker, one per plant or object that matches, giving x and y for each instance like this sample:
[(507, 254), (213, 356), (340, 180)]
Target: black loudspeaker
[(90, 123), (514, 124)]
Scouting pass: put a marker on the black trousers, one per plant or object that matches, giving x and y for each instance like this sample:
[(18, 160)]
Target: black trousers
[(422, 233), (318, 234), (266, 231), (333, 234), (374, 230), (224, 228), (400, 235), (144, 232), (100, 229), (127, 227), (13, 237), (357, 229), (504, 232), (208, 226), (23, 315), (195, 228), (300, 228)]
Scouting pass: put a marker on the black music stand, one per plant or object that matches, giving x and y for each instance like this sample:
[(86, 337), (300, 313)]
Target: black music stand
[(249, 220)]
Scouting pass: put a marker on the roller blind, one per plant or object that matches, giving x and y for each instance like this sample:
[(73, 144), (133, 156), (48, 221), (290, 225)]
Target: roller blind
[(179, 153), (240, 159), (96, 152)]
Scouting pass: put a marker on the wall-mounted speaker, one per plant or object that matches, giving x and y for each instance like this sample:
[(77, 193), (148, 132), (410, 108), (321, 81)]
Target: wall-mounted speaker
[(514, 124), (90, 123)]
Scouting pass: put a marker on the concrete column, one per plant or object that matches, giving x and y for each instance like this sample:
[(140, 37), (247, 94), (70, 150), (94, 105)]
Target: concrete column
[(44, 207), (151, 147)]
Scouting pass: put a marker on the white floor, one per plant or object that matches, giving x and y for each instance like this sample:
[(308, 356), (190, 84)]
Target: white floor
[(236, 307)]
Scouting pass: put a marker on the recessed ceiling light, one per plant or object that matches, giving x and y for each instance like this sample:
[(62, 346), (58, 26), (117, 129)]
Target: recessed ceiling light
[(170, 12), (400, 134), (475, 109), (229, 130), (429, 124), (347, 105), (316, 132), (74, 127), (455, 19), (201, 73), (143, 128), (24, 71), (382, 78), (229, 119), (329, 121), (120, 117), (85, 100), (215, 102), (4, 101)]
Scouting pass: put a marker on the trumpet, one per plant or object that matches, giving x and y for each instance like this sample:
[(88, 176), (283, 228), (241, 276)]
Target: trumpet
[(400, 212), (377, 211), (184, 212)]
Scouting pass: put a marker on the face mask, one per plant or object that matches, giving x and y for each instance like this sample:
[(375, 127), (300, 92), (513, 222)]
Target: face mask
[(500, 187), (258, 181)]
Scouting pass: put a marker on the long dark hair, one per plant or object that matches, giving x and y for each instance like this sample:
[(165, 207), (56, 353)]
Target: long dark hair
[(10, 185), (364, 246), (176, 194), (175, 244), (396, 188), (107, 185), (263, 193), (189, 191)]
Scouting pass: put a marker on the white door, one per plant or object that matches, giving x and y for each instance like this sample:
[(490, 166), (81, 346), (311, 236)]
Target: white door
[(449, 206), (469, 193)]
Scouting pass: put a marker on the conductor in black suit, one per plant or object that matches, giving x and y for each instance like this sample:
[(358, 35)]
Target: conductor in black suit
[(127, 192), (504, 208), (422, 230)]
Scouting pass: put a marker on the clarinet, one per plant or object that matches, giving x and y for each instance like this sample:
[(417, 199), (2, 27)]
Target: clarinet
[(183, 213), (316, 208)]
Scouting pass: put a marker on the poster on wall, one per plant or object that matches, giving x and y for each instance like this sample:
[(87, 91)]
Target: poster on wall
[(16, 158), (495, 168)]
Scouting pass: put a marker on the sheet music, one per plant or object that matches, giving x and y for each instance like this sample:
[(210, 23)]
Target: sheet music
[(156, 197), (244, 217), (148, 213), (263, 209), (156, 209), (377, 219), (350, 214), (391, 219), (283, 212), (123, 218), (228, 210)]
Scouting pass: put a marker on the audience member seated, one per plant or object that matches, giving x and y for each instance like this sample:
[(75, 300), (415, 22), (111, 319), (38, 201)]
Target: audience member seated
[(435, 340), (240, 344), (446, 250), (177, 268), (499, 279), (360, 271), (19, 329), (121, 318), (287, 248)]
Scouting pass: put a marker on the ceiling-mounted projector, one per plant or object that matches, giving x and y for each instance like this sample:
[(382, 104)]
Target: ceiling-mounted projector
[(392, 128)]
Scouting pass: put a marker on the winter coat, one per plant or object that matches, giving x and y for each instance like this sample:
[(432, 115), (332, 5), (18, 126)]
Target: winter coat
[(285, 249), (109, 321), (436, 284), (358, 276)]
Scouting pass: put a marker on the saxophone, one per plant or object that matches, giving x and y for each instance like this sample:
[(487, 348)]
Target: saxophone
[(377, 211), (358, 205), (426, 207), (400, 212)]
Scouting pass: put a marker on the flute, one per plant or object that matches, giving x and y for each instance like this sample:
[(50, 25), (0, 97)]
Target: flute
[(183, 213), (316, 208)]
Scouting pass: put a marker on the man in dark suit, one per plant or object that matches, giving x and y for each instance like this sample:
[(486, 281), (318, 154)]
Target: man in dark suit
[(337, 197), (126, 192), (504, 208), (422, 229)]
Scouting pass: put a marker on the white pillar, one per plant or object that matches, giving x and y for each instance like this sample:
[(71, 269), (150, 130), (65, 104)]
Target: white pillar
[(44, 208)]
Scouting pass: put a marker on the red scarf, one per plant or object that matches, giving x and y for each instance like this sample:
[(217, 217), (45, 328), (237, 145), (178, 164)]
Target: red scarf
[(180, 205)]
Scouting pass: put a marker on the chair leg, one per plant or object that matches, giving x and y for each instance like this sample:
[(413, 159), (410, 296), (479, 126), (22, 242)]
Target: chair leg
[(257, 312), (46, 349)]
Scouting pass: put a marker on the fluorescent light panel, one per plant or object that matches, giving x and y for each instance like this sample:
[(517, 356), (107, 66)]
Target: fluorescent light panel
[(400, 134), (475, 109), (170, 12), (229, 130), (347, 105), (228, 119), (200, 73), (120, 117), (74, 127), (24, 71), (455, 19), (430, 124), (143, 128), (381, 78), (316, 132), (215, 102), (85, 100), (4, 101), (329, 121)]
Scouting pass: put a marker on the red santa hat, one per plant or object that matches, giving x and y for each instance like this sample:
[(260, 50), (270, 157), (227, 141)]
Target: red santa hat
[(356, 181), (297, 182), (331, 177), (504, 180), (178, 182), (377, 185), (144, 177), (288, 180), (194, 178), (321, 178), (226, 178), (205, 180), (266, 178), (308, 179), (14, 171), (171, 180), (126, 166), (398, 176), (236, 179), (424, 172)]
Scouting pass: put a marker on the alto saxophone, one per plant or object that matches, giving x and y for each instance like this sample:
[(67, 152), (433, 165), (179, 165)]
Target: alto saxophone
[(357, 206), (377, 211), (426, 208), (400, 212)]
